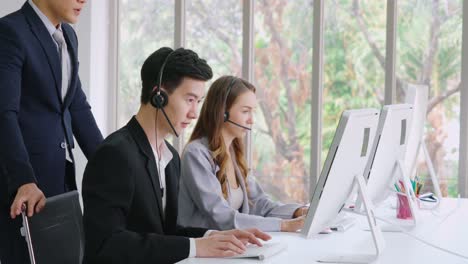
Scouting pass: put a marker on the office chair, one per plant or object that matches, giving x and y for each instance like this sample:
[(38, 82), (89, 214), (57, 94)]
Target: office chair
[(55, 235)]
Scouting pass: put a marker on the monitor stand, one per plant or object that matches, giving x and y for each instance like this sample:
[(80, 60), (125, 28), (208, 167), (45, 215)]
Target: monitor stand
[(375, 230), (397, 227), (430, 166)]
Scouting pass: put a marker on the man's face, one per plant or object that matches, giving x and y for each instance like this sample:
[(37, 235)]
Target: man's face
[(183, 103), (66, 10)]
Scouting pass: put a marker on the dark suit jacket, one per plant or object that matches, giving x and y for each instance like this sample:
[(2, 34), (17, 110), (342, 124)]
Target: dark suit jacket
[(123, 216), (33, 120)]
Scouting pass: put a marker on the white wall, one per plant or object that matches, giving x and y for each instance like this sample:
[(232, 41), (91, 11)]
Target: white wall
[(9, 6), (93, 30), (98, 80)]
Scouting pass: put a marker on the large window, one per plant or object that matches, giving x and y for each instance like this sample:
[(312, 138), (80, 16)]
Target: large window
[(283, 69), (429, 53), (145, 26), (214, 31), (354, 59)]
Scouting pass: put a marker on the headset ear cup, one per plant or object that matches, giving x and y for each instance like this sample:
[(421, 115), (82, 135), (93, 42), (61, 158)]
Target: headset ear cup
[(159, 100), (226, 116)]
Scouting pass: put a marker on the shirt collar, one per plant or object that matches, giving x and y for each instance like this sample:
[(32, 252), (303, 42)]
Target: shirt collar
[(50, 27), (166, 155)]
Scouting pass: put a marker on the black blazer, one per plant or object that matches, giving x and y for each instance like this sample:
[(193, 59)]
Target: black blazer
[(123, 219), (34, 121)]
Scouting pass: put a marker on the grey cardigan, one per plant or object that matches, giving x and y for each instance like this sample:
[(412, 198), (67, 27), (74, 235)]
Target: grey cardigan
[(201, 202)]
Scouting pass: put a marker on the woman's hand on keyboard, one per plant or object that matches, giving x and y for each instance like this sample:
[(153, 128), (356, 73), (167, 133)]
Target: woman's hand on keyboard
[(301, 211), (292, 225)]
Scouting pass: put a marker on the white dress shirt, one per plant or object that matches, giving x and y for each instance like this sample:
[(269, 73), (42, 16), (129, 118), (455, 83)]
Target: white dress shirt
[(166, 157)]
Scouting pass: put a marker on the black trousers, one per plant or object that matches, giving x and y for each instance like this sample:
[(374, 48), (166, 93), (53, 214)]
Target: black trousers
[(13, 247)]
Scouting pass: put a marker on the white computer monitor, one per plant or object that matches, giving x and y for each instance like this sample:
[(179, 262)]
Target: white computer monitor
[(418, 96), (343, 168), (388, 149)]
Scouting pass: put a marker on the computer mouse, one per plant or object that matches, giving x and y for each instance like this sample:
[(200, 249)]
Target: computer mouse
[(428, 197)]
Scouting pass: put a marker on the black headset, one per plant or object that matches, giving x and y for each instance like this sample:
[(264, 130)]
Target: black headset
[(226, 112), (159, 98)]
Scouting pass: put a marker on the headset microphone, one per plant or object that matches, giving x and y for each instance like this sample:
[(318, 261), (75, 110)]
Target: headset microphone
[(239, 125), (226, 112)]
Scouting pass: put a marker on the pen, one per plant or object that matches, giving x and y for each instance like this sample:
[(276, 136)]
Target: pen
[(402, 186)]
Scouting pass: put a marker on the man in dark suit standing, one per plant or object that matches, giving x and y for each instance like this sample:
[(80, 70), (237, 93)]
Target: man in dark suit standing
[(131, 184), (42, 107)]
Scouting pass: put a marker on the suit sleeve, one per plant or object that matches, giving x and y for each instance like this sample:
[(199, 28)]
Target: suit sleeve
[(108, 190), (205, 191), (84, 125), (14, 159), (190, 231)]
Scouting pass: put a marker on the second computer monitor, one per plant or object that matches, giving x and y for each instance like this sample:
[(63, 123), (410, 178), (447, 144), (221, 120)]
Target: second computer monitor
[(346, 159), (387, 151)]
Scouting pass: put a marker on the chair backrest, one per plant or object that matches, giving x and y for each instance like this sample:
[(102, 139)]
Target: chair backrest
[(55, 235)]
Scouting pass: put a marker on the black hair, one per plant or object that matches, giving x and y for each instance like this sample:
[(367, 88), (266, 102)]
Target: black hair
[(181, 63)]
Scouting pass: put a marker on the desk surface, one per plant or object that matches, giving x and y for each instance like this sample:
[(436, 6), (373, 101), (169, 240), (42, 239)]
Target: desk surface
[(446, 227)]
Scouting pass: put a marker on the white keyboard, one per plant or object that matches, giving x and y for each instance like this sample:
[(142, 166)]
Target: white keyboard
[(268, 250)]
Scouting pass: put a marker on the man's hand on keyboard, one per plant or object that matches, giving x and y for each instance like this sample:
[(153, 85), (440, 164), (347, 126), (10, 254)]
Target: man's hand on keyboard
[(251, 235), (219, 245)]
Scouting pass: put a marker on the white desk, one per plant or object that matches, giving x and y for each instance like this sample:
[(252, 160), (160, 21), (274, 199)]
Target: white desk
[(450, 232)]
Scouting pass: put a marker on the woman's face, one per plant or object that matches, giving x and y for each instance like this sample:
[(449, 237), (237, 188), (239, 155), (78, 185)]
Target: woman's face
[(241, 113)]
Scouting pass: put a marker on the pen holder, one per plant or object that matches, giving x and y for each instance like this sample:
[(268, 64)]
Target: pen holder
[(403, 207)]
